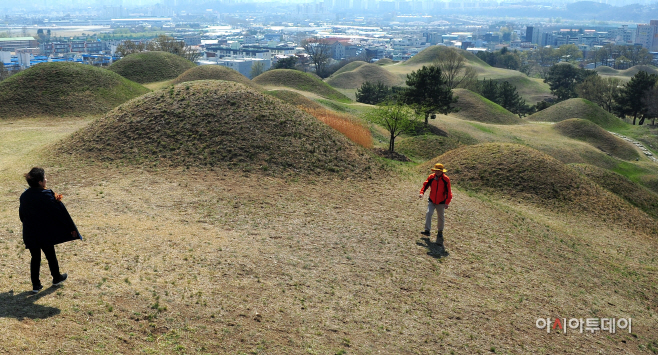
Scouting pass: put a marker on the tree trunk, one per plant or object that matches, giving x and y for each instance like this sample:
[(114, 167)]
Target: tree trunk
[(634, 117), (427, 115), (391, 143), (641, 121)]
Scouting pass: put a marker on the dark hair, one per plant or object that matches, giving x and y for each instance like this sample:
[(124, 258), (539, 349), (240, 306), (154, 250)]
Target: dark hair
[(35, 176)]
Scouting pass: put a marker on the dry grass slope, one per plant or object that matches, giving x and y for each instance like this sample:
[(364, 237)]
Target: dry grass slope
[(428, 146), (590, 132), (217, 123), (300, 81), (525, 173), (430, 54), (635, 194), (578, 108), (64, 89), (150, 67), (365, 72), (474, 107), (213, 72), (294, 98)]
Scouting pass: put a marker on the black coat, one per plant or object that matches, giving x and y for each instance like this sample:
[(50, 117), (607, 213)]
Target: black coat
[(45, 220)]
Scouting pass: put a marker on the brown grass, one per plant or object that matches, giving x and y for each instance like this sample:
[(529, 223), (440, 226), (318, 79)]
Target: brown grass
[(343, 123), (217, 262), (590, 132), (367, 72), (474, 107)]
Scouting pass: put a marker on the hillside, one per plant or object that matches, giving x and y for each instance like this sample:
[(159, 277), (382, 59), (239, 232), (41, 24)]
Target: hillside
[(635, 194), (217, 123), (300, 81), (590, 132), (474, 107), (149, 67), (431, 54), (578, 108), (213, 72), (528, 174), (366, 72), (63, 89), (294, 98)]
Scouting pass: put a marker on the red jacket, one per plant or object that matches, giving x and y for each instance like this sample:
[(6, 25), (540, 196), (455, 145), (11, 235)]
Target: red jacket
[(440, 191)]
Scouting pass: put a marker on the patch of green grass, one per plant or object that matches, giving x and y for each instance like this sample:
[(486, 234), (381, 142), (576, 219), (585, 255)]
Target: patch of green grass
[(482, 128), (630, 170)]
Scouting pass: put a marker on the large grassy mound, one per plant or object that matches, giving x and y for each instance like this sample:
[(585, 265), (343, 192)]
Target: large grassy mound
[(605, 70), (217, 123), (636, 69), (578, 108), (301, 81), (365, 72), (429, 146), (525, 173), (385, 61), (593, 134), (350, 66), (56, 89), (474, 107), (620, 185), (149, 67), (431, 54), (294, 98), (213, 72)]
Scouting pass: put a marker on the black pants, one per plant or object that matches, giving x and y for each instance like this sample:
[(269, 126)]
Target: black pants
[(35, 264)]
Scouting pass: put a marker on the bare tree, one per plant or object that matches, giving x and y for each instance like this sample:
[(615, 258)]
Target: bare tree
[(161, 43), (319, 51), (455, 72)]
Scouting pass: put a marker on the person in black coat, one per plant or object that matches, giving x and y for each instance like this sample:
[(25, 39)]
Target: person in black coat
[(46, 223)]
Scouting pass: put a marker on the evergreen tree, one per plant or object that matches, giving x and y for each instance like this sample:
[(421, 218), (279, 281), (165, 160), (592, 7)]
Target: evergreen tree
[(372, 94), (631, 98), (428, 92)]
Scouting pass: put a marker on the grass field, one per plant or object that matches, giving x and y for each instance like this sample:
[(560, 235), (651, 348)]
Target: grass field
[(294, 79), (214, 258), (150, 67)]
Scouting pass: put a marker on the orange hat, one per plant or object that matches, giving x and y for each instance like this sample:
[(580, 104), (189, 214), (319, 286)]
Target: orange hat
[(438, 167)]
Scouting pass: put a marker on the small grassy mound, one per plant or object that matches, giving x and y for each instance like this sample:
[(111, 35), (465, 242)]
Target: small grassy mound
[(213, 72), (578, 108), (604, 70), (636, 69), (56, 89), (474, 107), (211, 123), (365, 72), (431, 54), (428, 146), (295, 99), (385, 61), (635, 194), (591, 133), (350, 66), (300, 81), (149, 67)]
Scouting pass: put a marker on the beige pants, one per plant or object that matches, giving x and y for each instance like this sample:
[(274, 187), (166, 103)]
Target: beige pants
[(440, 211)]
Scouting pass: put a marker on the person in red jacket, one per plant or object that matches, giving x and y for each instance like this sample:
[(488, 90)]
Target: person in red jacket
[(439, 200)]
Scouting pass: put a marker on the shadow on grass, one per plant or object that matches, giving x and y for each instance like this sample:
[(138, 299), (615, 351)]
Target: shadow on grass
[(433, 249), (21, 305)]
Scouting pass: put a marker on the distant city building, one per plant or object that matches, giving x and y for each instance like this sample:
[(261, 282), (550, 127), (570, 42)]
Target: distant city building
[(647, 35), (14, 43), (532, 35)]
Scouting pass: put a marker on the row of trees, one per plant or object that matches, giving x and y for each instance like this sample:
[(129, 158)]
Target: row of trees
[(637, 98)]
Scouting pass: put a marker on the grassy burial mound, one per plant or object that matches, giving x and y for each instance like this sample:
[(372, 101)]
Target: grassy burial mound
[(474, 107), (213, 72), (638, 68), (63, 89), (385, 61), (428, 146), (432, 54), (294, 98), (519, 171), (217, 123), (620, 185), (149, 67), (298, 80), (584, 130), (578, 108), (366, 72), (349, 67), (604, 70)]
